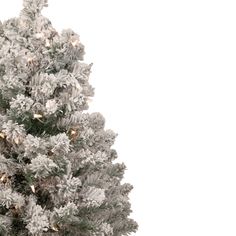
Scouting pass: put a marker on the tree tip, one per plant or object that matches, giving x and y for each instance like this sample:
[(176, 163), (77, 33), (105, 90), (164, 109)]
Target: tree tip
[(35, 5)]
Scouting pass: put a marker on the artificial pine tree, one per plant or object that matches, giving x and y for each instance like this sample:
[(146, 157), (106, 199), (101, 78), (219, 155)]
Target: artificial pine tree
[(57, 175)]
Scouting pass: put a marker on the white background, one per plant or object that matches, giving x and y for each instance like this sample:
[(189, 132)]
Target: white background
[(164, 78)]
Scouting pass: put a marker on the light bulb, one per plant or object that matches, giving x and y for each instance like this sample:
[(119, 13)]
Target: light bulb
[(2, 135), (39, 35), (37, 116), (17, 140), (47, 44), (73, 132), (75, 42), (55, 228), (30, 59), (32, 188), (3, 177)]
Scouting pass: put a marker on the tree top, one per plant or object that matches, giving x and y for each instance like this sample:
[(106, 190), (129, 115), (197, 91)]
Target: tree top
[(35, 6)]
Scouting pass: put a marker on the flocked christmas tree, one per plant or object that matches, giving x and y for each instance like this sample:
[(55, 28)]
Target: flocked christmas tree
[(57, 175)]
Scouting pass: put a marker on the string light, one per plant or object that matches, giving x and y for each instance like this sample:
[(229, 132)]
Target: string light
[(37, 116), (39, 35), (30, 59), (4, 176), (55, 228), (2, 135), (75, 42), (47, 44), (73, 132), (17, 140), (32, 188)]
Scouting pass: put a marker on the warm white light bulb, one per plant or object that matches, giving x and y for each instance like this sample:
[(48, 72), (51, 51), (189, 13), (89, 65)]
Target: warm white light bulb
[(17, 140), (75, 43), (32, 188), (47, 44), (73, 132), (30, 59), (2, 135), (36, 116), (3, 177), (55, 228), (39, 35)]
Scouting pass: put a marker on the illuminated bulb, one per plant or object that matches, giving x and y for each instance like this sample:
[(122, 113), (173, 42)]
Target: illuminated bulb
[(55, 228), (73, 132), (39, 35), (3, 177), (75, 43), (47, 44), (32, 188), (37, 116), (30, 59), (17, 140), (2, 135)]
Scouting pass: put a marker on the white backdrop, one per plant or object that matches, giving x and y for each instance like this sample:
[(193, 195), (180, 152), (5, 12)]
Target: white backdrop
[(164, 78)]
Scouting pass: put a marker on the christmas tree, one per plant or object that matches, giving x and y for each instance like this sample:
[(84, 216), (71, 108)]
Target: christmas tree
[(57, 175)]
